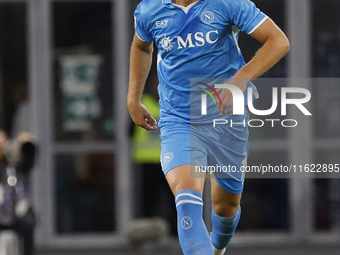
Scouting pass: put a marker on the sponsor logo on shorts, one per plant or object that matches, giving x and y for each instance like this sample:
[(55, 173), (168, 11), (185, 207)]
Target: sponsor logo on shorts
[(168, 157), (186, 223)]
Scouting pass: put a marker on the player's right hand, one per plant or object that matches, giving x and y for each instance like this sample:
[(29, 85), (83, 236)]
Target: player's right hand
[(141, 116)]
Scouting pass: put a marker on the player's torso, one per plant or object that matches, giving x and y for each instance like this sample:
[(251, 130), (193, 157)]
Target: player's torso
[(197, 27), (195, 42), (198, 39)]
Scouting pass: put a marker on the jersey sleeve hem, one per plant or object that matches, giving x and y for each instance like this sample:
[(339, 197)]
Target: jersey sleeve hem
[(258, 24), (141, 37)]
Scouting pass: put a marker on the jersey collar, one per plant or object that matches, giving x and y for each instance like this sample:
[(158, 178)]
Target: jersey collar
[(170, 1)]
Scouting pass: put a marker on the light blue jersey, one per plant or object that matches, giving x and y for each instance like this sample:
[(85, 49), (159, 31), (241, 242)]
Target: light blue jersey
[(197, 41)]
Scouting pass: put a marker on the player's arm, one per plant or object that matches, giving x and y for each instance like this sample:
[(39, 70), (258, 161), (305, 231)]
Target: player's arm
[(140, 63), (275, 46)]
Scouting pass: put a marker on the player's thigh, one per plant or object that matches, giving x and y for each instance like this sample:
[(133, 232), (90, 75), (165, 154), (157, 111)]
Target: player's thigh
[(180, 178), (224, 203)]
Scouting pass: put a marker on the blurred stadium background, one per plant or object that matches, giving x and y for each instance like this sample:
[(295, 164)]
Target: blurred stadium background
[(64, 77)]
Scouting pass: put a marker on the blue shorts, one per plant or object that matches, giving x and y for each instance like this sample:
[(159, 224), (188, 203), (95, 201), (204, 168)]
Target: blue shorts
[(221, 150)]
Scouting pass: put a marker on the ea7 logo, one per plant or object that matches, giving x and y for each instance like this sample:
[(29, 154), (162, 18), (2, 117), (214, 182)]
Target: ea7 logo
[(162, 23), (198, 39)]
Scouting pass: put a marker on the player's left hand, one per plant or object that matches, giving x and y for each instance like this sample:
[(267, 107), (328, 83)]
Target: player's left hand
[(226, 95)]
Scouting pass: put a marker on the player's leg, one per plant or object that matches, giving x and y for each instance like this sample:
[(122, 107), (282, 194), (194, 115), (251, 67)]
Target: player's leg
[(192, 232), (225, 216), (231, 151), (225, 203)]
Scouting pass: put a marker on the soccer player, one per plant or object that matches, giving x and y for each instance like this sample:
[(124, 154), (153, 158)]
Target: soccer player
[(198, 39)]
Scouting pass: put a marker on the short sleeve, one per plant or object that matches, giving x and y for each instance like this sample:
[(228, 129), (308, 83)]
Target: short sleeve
[(141, 27), (245, 15)]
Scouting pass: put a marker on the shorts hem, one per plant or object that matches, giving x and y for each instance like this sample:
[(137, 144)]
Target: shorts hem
[(166, 172), (229, 189)]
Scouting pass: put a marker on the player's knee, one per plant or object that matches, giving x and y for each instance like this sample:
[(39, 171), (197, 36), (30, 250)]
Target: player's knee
[(226, 209), (179, 179), (182, 185)]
